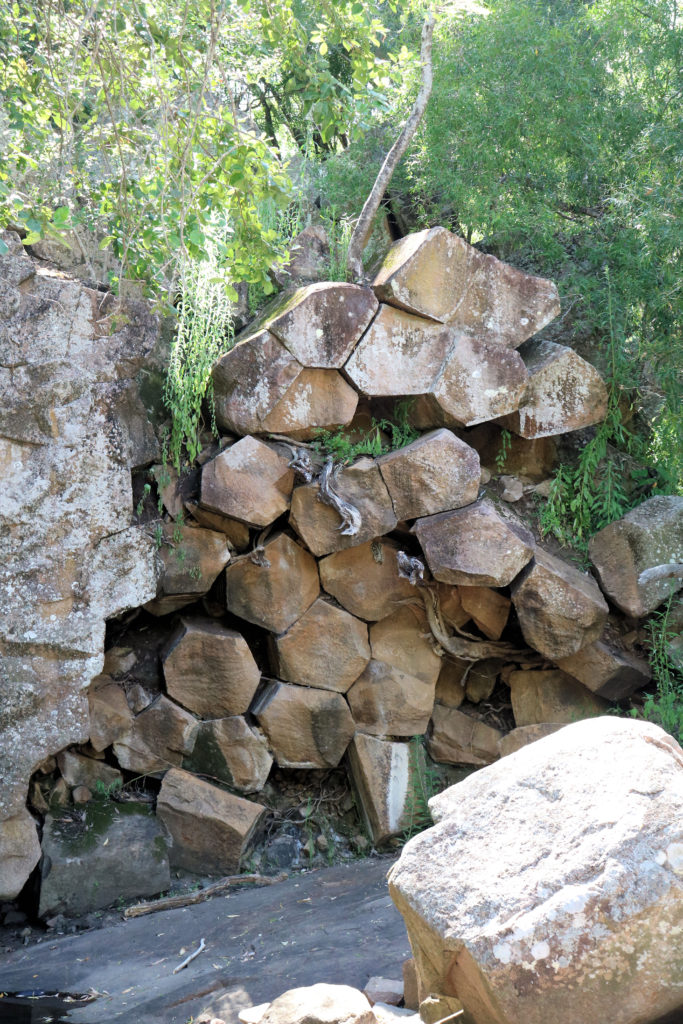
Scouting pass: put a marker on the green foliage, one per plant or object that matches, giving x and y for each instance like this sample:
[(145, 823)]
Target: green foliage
[(107, 791), (665, 706), (344, 449), (424, 783), (504, 450), (339, 231)]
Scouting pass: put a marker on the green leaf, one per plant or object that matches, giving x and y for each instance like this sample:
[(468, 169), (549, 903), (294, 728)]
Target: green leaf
[(61, 216), (323, 48), (106, 242)]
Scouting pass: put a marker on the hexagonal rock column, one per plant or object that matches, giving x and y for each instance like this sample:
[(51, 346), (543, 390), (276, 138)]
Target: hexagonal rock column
[(158, 738), (402, 640), (551, 696), (321, 323), (559, 608), (564, 392), (365, 579), (109, 712), (209, 669), (250, 481), (326, 648), (437, 274), (250, 380), (433, 474), (648, 536), (572, 919), (276, 590), (210, 829), (474, 545), (229, 750), (319, 525), (385, 701), (479, 381), (385, 776), (191, 558), (316, 400), (607, 671), (488, 609), (306, 728), (457, 738)]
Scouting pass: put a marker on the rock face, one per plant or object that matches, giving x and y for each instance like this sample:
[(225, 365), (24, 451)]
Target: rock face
[(191, 558), (365, 579), (158, 738), (70, 556), (458, 738), (402, 640), (433, 474), (576, 921), (650, 535), (317, 400), (306, 728), (251, 482), (326, 648), (250, 380)]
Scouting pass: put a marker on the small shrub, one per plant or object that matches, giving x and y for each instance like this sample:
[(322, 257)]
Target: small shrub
[(665, 706)]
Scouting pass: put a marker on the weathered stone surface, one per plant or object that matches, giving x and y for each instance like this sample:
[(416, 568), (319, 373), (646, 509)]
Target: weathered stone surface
[(229, 750), (533, 459), (250, 481), (435, 473), (365, 579), (319, 526), (317, 400), (78, 770), (488, 609), (250, 380), (481, 679), (607, 671), (210, 829), (479, 381), (209, 669), (158, 738), (276, 590), (512, 488), (321, 323), (525, 734), (236, 532), (564, 392), (399, 354), (450, 689), (411, 998), (326, 648), (559, 608), (384, 776), (474, 546), (118, 851), (320, 1004), (450, 605), (402, 640), (109, 712), (384, 990), (306, 728), (575, 921), (118, 661), (385, 701), (309, 258), (437, 274), (19, 852), (69, 555), (648, 536), (551, 696), (458, 738), (191, 559)]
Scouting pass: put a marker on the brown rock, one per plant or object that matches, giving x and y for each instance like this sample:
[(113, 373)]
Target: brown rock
[(210, 829), (402, 640), (435, 473), (552, 696), (319, 525), (250, 481), (648, 536), (533, 459), (158, 738), (81, 795), (385, 701), (525, 734), (512, 489), (564, 392), (481, 679), (450, 688), (209, 669), (19, 853), (559, 608), (250, 380), (384, 990), (109, 712), (326, 648), (172, 489), (228, 750), (365, 579), (118, 661), (309, 258), (411, 998), (487, 608), (451, 606), (437, 274), (85, 771), (236, 532), (321, 323), (306, 728), (399, 354), (317, 400), (607, 671), (192, 558), (386, 775), (458, 738), (474, 546), (275, 591), (479, 381)]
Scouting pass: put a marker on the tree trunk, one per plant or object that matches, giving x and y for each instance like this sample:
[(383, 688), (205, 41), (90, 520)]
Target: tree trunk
[(361, 232)]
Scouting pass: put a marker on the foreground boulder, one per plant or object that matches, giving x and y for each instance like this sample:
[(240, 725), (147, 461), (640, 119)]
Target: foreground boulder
[(319, 1004), (551, 887)]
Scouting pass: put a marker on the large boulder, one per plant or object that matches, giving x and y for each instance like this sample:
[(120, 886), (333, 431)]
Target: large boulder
[(433, 474), (551, 887), (317, 400), (649, 536), (306, 728), (365, 579)]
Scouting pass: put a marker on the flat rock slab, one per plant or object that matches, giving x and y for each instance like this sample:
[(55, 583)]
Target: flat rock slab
[(337, 925)]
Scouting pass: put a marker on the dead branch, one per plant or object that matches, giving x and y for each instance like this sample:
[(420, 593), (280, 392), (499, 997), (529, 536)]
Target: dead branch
[(348, 513), (189, 899), (190, 958), (363, 228)]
